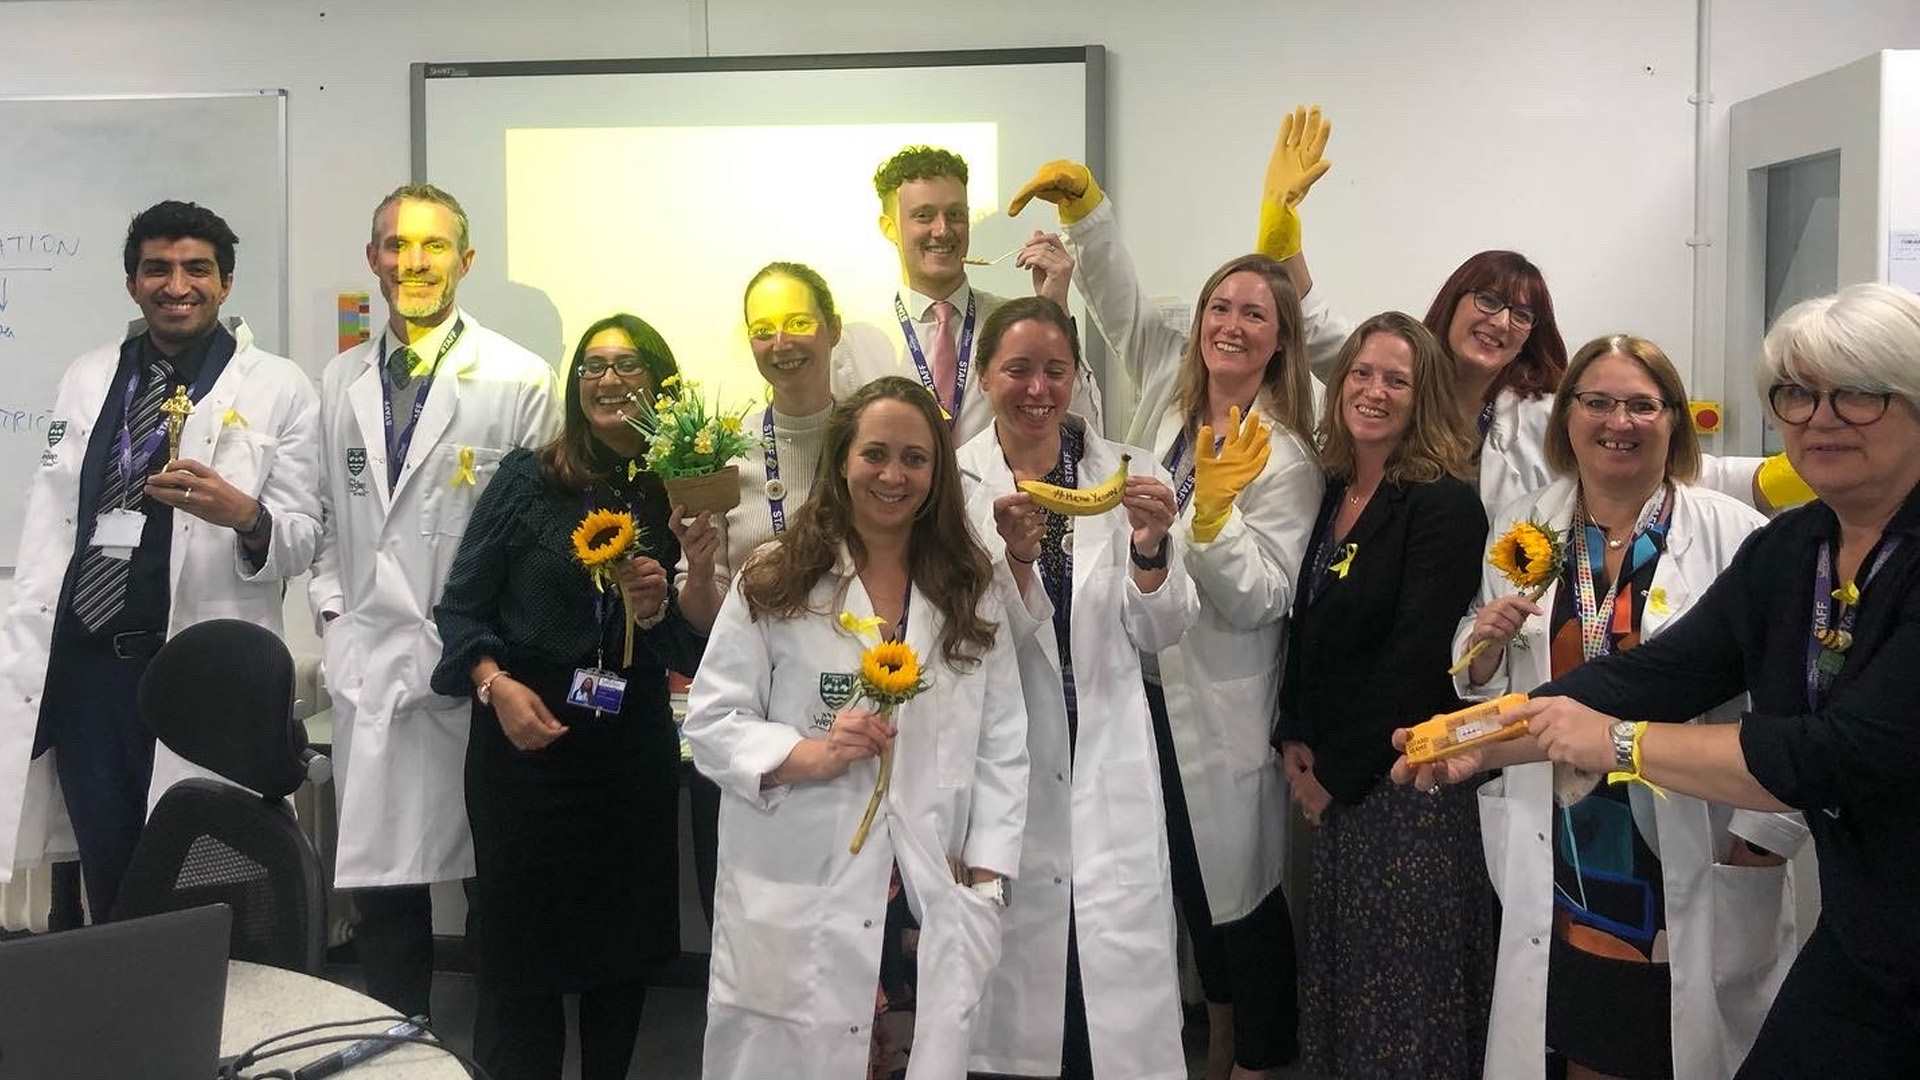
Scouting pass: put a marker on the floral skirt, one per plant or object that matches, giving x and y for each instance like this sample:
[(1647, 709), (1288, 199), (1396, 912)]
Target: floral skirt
[(1401, 939), (893, 999)]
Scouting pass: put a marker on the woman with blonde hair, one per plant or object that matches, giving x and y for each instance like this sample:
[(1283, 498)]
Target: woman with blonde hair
[(1399, 935)]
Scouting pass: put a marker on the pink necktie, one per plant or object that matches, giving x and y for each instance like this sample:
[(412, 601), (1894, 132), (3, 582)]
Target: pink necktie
[(941, 359)]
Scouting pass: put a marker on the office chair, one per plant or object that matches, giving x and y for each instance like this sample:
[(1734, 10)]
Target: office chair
[(220, 694)]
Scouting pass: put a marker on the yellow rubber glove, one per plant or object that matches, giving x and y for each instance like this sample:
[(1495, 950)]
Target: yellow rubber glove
[(1068, 185), (1296, 163), (1219, 476), (1780, 485)]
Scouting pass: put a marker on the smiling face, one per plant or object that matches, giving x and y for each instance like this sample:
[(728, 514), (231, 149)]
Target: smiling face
[(177, 285), (889, 466), (603, 397), (416, 255), (1850, 463), (1030, 381), (792, 342), (1239, 329), (929, 225), (1482, 341), (1617, 450), (1376, 398)]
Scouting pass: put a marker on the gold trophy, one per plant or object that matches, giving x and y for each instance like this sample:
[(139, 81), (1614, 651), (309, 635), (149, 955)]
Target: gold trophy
[(176, 409)]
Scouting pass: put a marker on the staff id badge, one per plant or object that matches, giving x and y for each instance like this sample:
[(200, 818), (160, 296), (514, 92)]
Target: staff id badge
[(117, 533), (601, 691)]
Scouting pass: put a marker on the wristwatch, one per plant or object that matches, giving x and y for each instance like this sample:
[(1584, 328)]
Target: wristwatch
[(994, 890), (1155, 561), (1622, 733)]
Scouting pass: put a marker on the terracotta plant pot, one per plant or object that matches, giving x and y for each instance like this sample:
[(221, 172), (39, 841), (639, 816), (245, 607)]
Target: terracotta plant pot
[(716, 492)]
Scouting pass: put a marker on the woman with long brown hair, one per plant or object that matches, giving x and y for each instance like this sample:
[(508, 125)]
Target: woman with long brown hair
[(805, 929)]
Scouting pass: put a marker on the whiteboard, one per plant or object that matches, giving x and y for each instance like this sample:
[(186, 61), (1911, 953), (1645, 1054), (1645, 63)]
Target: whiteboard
[(73, 172), (659, 186)]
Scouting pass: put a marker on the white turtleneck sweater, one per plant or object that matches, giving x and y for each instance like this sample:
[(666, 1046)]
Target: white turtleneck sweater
[(798, 442)]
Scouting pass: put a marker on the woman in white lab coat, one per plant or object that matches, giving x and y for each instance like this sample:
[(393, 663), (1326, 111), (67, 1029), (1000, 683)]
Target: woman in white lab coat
[(805, 931), (1087, 983), (1215, 692), (1642, 936)]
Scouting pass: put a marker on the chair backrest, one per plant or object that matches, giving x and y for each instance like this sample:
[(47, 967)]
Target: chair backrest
[(208, 842), (220, 694)]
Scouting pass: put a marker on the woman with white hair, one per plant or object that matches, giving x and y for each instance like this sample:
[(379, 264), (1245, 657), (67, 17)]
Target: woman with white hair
[(1818, 620)]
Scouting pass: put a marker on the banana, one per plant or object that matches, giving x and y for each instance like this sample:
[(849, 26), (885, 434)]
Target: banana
[(1078, 502)]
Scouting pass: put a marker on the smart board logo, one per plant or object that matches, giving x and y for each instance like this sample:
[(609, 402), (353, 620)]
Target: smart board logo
[(836, 688), (55, 432), (356, 460)]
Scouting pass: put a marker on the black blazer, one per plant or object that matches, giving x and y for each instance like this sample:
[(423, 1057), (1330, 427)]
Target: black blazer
[(1369, 652), (1851, 765)]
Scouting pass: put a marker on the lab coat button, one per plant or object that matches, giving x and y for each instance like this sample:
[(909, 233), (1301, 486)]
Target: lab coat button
[(868, 923)]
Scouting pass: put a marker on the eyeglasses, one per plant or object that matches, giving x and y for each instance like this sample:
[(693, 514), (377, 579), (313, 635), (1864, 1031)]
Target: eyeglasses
[(1492, 303), (794, 325), (1795, 404), (626, 367), (1640, 410)]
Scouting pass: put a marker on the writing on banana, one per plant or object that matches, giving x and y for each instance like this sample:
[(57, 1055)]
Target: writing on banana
[(1078, 502)]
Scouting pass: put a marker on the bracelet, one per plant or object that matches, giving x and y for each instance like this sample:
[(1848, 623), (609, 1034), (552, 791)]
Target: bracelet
[(262, 522), (1021, 561), (1155, 561), (653, 620), (485, 690)]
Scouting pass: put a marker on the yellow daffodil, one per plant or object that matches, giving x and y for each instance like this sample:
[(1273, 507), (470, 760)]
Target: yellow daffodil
[(868, 627), (1848, 594), (703, 442)]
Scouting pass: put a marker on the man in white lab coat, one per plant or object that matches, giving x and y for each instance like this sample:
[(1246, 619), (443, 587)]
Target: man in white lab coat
[(415, 423), (937, 312), (125, 543)]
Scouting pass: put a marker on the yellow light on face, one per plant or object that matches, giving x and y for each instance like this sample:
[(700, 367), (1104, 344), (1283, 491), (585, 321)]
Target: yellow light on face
[(779, 302)]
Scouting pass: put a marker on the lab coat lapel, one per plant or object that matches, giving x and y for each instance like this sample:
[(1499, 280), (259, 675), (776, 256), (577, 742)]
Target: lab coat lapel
[(369, 408)]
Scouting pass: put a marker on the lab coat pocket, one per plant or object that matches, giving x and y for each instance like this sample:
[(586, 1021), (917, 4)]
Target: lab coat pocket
[(766, 948), (454, 476), (1497, 814), (1753, 945), (244, 458), (1129, 797), (1244, 711), (961, 941)]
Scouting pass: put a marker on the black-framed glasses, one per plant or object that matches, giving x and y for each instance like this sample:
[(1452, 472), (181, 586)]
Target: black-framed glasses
[(626, 367), (1640, 409), (1492, 303), (1795, 404)]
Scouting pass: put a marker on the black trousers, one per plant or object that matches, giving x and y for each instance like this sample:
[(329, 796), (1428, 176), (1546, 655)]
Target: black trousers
[(1248, 963), (103, 753), (703, 804), (1828, 1021), (394, 942), (525, 1037)]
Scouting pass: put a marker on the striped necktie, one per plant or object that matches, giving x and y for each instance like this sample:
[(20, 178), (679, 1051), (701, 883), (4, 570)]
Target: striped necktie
[(101, 592)]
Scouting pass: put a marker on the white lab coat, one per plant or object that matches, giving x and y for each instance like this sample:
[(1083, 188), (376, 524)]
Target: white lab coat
[(867, 352), (797, 919), (1222, 680), (1730, 929), (259, 427), (1096, 840), (399, 748)]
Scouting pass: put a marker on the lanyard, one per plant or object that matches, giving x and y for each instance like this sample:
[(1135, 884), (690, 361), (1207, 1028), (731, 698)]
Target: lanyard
[(397, 451), (132, 455), (964, 360), (1824, 661), (1175, 461), (1598, 617), (1485, 422), (776, 490)]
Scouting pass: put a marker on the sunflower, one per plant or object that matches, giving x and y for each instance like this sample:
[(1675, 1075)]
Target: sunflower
[(890, 670), (601, 537), (1528, 555)]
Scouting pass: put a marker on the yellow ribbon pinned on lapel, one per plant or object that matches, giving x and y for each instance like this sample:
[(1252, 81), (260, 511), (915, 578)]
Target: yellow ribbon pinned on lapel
[(868, 627), (1345, 563), (1657, 601), (465, 474), (233, 419)]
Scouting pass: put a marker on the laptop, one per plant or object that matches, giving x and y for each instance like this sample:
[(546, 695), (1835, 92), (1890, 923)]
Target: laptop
[(137, 998)]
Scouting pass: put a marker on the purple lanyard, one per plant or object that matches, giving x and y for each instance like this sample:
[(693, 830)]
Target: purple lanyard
[(961, 363), (776, 503), (1824, 664), (398, 450)]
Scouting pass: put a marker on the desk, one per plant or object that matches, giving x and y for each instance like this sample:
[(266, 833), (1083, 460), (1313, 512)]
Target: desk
[(264, 1001)]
